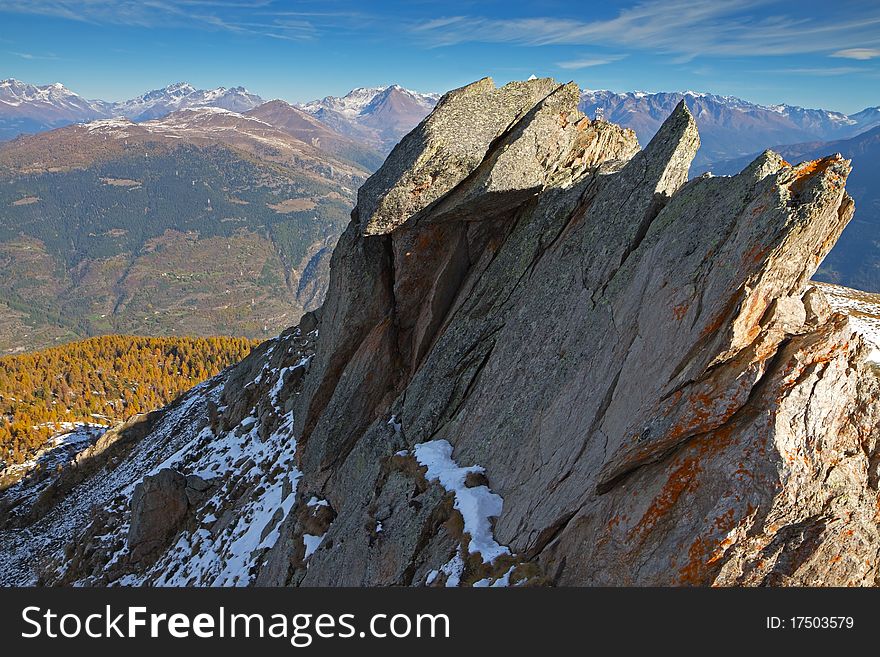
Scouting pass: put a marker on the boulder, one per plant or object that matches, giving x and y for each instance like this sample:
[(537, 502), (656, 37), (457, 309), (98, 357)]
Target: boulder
[(158, 507)]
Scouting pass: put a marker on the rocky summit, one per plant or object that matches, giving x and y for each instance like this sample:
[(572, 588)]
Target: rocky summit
[(545, 357)]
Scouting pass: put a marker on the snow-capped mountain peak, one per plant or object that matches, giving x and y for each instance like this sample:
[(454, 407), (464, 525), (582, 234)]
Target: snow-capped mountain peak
[(50, 103), (180, 95), (357, 101), (378, 116)]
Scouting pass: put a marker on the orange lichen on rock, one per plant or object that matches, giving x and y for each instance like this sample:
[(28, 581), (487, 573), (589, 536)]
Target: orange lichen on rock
[(702, 555), (719, 320), (682, 479), (693, 573), (615, 520), (701, 411), (756, 253), (811, 169)]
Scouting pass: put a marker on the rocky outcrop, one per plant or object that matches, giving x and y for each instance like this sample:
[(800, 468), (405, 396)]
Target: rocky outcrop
[(628, 355), (546, 357), (158, 507)]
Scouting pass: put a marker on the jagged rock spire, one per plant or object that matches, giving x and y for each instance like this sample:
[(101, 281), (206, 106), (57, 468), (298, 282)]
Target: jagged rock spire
[(443, 149), (568, 331)]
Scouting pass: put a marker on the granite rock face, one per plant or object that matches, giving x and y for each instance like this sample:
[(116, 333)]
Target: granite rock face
[(635, 360), (545, 357)]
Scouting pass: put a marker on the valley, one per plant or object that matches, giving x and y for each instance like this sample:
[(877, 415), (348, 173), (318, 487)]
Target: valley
[(206, 222)]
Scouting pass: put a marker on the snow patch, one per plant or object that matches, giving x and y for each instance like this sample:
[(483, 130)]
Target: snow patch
[(502, 581), (477, 504), (863, 310), (311, 542), (453, 570)]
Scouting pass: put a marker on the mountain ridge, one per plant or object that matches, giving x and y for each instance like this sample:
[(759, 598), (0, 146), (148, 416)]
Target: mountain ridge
[(27, 108), (855, 260), (182, 95), (730, 126), (379, 116)]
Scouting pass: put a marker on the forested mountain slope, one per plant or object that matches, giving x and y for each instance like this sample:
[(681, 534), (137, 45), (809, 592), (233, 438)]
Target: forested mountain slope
[(204, 222), (100, 381)]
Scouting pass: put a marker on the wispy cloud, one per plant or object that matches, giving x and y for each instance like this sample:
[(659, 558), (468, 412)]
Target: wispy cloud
[(820, 71), (28, 55), (587, 62), (676, 27), (857, 53), (267, 18)]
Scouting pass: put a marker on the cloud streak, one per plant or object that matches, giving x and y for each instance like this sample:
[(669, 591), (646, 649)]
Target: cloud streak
[(819, 71), (588, 62), (264, 18), (27, 55), (682, 28), (678, 27), (857, 53)]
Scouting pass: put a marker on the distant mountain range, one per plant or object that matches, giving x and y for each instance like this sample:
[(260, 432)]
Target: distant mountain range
[(729, 127), (26, 108), (376, 117), (158, 103)]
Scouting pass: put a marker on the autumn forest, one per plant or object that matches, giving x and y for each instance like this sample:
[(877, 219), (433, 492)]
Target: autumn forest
[(101, 380)]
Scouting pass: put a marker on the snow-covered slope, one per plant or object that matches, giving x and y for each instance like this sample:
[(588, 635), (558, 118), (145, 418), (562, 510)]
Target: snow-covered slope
[(26, 108), (357, 102), (51, 102), (60, 449), (240, 485), (39, 522), (350, 105), (863, 309)]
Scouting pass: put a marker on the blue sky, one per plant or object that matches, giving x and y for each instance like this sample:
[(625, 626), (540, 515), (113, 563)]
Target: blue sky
[(810, 53)]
